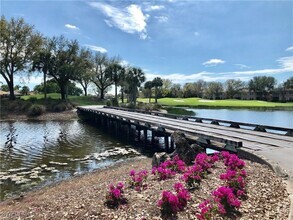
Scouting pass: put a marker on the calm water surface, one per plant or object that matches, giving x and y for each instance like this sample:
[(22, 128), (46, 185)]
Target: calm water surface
[(39, 143), (273, 118)]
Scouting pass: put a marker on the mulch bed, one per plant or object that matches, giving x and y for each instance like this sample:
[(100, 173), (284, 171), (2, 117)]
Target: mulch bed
[(83, 197)]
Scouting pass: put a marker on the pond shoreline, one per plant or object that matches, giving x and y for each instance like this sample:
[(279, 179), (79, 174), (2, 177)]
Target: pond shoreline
[(60, 116)]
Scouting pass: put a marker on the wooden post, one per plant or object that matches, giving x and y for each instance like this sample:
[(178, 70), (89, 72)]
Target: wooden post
[(145, 133), (153, 138), (166, 137)]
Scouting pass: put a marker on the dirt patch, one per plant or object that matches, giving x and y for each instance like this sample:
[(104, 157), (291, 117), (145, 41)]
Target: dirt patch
[(83, 197)]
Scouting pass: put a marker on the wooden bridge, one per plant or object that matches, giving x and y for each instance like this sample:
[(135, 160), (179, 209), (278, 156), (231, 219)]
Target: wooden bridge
[(228, 133)]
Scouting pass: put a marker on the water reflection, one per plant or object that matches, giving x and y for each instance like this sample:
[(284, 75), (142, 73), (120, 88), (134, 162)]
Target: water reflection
[(33, 144)]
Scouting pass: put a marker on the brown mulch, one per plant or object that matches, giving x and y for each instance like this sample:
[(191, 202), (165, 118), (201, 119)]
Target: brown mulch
[(83, 197)]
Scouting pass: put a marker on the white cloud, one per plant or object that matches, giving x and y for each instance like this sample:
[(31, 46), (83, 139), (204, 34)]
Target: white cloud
[(124, 63), (213, 62), (70, 26), (242, 66), (285, 66), (161, 19), (154, 7), (196, 33), (130, 19), (96, 48), (289, 49)]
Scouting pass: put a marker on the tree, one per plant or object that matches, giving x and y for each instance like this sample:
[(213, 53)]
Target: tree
[(17, 87), (43, 61), (4, 88), (176, 90), (148, 86), (18, 43), (233, 87), (51, 87), (63, 62), (25, 90), (117, 74), (288, 84), (134, 78), (214, 90), (157, 83), (195, 89), (101, 77), (262, 86), (84, 68), (166, 88)]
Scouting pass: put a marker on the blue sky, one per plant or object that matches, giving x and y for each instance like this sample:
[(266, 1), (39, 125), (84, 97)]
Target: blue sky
[(179, 40)]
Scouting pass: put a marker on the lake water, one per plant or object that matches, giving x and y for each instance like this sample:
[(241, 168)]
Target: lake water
[(49, 151), (273, 118)]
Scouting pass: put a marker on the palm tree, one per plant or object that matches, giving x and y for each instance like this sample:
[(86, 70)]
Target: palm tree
[(117, 73), (134, 78), (149, 85), (157, 82)]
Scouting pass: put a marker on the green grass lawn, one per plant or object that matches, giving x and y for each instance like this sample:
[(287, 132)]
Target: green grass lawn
[(76, 100), (227, 103)]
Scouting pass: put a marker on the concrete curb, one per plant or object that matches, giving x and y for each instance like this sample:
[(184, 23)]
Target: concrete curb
[(254, 156)]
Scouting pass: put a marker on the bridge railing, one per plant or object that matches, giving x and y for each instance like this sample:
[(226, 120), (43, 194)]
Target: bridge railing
[(233, 124)]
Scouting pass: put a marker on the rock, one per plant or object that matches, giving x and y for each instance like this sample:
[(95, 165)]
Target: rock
[(55, 171), (58, 163), (49, 169), (24, 173), (18, 170), (159, 158), (183, 149), (37, 169), (43, 166), (22, 181)]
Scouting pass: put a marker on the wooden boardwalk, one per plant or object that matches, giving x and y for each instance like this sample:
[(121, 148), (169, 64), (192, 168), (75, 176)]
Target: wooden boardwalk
[(276, 147)]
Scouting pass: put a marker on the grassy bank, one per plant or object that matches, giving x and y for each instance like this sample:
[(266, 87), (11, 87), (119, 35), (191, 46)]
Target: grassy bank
[(227, 103), (36, 105), (76, 100)]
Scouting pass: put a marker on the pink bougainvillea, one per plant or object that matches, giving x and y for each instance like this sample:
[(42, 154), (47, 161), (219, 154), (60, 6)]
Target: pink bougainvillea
[(138, 180)]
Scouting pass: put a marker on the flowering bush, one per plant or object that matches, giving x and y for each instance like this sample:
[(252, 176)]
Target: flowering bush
[(225, 199), (138, 180), (171, 203), (232, 161), (192, 177), (163, 173), (115, 196), (207, 210), (235, 180)]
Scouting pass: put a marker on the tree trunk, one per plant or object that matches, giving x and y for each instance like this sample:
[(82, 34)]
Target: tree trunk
[(102, 94), (11, 90), (156, 95), (63, 92), (85, 90), (116, 91), (122, 96), (45, 86)]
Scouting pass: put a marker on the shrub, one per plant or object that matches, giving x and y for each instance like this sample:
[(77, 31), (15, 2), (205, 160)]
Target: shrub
[(232, 161), (36, 110), (59, 107), (171, 203), (32, 99), (114, 102), (192, 177), (108, 103), (235, 180), (115, 195), (138, 179)]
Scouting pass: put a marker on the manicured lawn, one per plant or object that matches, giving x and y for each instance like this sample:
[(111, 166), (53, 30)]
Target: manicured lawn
[(77, 100), (198, 102)]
